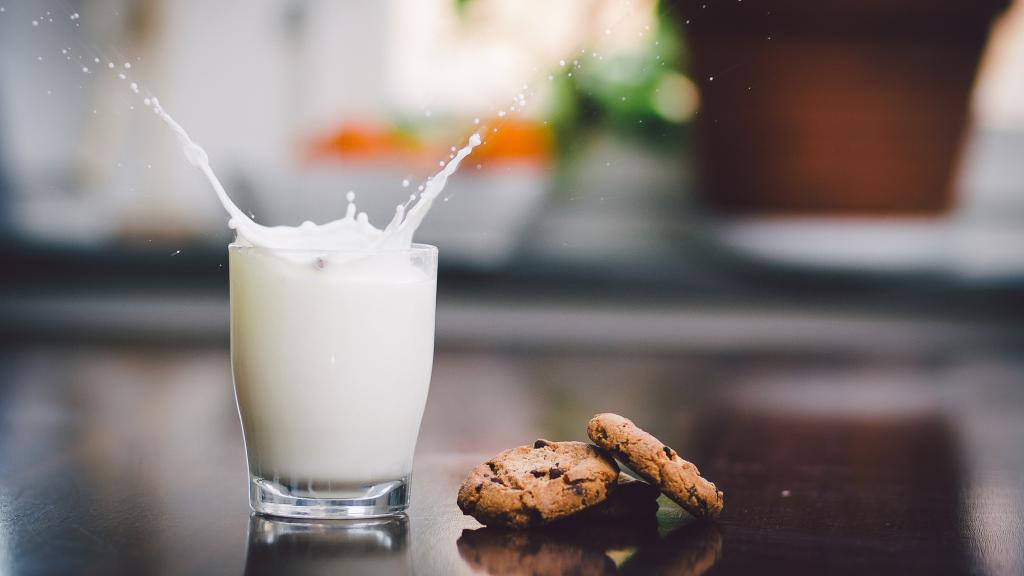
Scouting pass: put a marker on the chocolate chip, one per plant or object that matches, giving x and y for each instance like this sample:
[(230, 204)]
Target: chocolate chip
[(497, 480), (540, 443), (703, 505), (555, 472), (537, 473), (577, 490), (668, 452), (479, 487)]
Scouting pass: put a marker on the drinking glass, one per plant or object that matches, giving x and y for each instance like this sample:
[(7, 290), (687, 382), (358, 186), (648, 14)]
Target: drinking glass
[(331, 354)]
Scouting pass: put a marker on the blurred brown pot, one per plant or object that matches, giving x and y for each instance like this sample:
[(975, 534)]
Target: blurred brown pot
[(841, 106)]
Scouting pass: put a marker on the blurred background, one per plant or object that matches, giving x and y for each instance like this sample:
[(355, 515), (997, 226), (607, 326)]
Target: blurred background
[(678, 147), (747, 223)]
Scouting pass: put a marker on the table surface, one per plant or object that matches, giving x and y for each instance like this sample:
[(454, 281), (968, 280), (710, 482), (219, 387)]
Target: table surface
[(129, 459)]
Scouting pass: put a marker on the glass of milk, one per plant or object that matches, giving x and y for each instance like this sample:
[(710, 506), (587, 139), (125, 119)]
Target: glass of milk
[(331, 352)]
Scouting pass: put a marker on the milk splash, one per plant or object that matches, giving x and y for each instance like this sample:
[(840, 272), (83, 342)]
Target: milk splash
[(351, 233)]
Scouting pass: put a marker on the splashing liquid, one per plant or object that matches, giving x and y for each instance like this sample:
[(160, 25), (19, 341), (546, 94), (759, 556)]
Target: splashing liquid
[(351, 232)]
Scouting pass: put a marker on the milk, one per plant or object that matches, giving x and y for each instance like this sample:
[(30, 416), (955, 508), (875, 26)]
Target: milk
[(351, 233), (332, 364), (332, 338)]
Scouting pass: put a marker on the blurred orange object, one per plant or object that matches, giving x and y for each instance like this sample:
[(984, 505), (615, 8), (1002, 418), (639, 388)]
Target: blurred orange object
[(514, 141), (363, 141)]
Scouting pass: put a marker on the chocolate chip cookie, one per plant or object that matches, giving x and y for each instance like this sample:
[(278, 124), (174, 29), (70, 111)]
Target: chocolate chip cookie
[(537, 484), (658, 464)]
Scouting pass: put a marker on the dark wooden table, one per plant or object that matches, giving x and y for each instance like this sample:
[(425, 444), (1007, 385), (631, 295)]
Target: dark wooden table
[(125, 459)]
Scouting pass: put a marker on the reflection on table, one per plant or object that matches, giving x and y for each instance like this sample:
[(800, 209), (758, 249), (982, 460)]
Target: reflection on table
[(129, 459), (285, 546)]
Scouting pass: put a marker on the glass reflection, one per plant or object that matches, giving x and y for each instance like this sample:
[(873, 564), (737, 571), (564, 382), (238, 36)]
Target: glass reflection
[(372, 546)]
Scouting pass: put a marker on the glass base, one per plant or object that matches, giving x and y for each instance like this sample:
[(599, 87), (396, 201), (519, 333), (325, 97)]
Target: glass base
[(373, 501)]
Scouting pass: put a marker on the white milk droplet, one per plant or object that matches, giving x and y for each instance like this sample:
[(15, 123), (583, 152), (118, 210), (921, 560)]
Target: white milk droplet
[(134, 87), (35, 22), (405, 183), (476, 120), (85, 69), (127, 65), (96, 60), (122, 76), (561, 62)]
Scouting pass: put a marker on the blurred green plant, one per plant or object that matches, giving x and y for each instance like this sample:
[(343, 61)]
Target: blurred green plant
[(643, 95)]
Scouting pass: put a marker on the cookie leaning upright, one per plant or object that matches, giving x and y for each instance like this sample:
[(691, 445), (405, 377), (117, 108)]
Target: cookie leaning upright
[(658, 464), (533, 485)]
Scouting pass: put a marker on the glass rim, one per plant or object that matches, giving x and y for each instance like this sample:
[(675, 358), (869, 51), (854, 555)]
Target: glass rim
[(414, 248)]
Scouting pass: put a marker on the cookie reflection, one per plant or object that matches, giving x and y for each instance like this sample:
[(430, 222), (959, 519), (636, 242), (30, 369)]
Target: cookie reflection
[(593, 548), (689, 551), (284, 547), (503, 552)]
